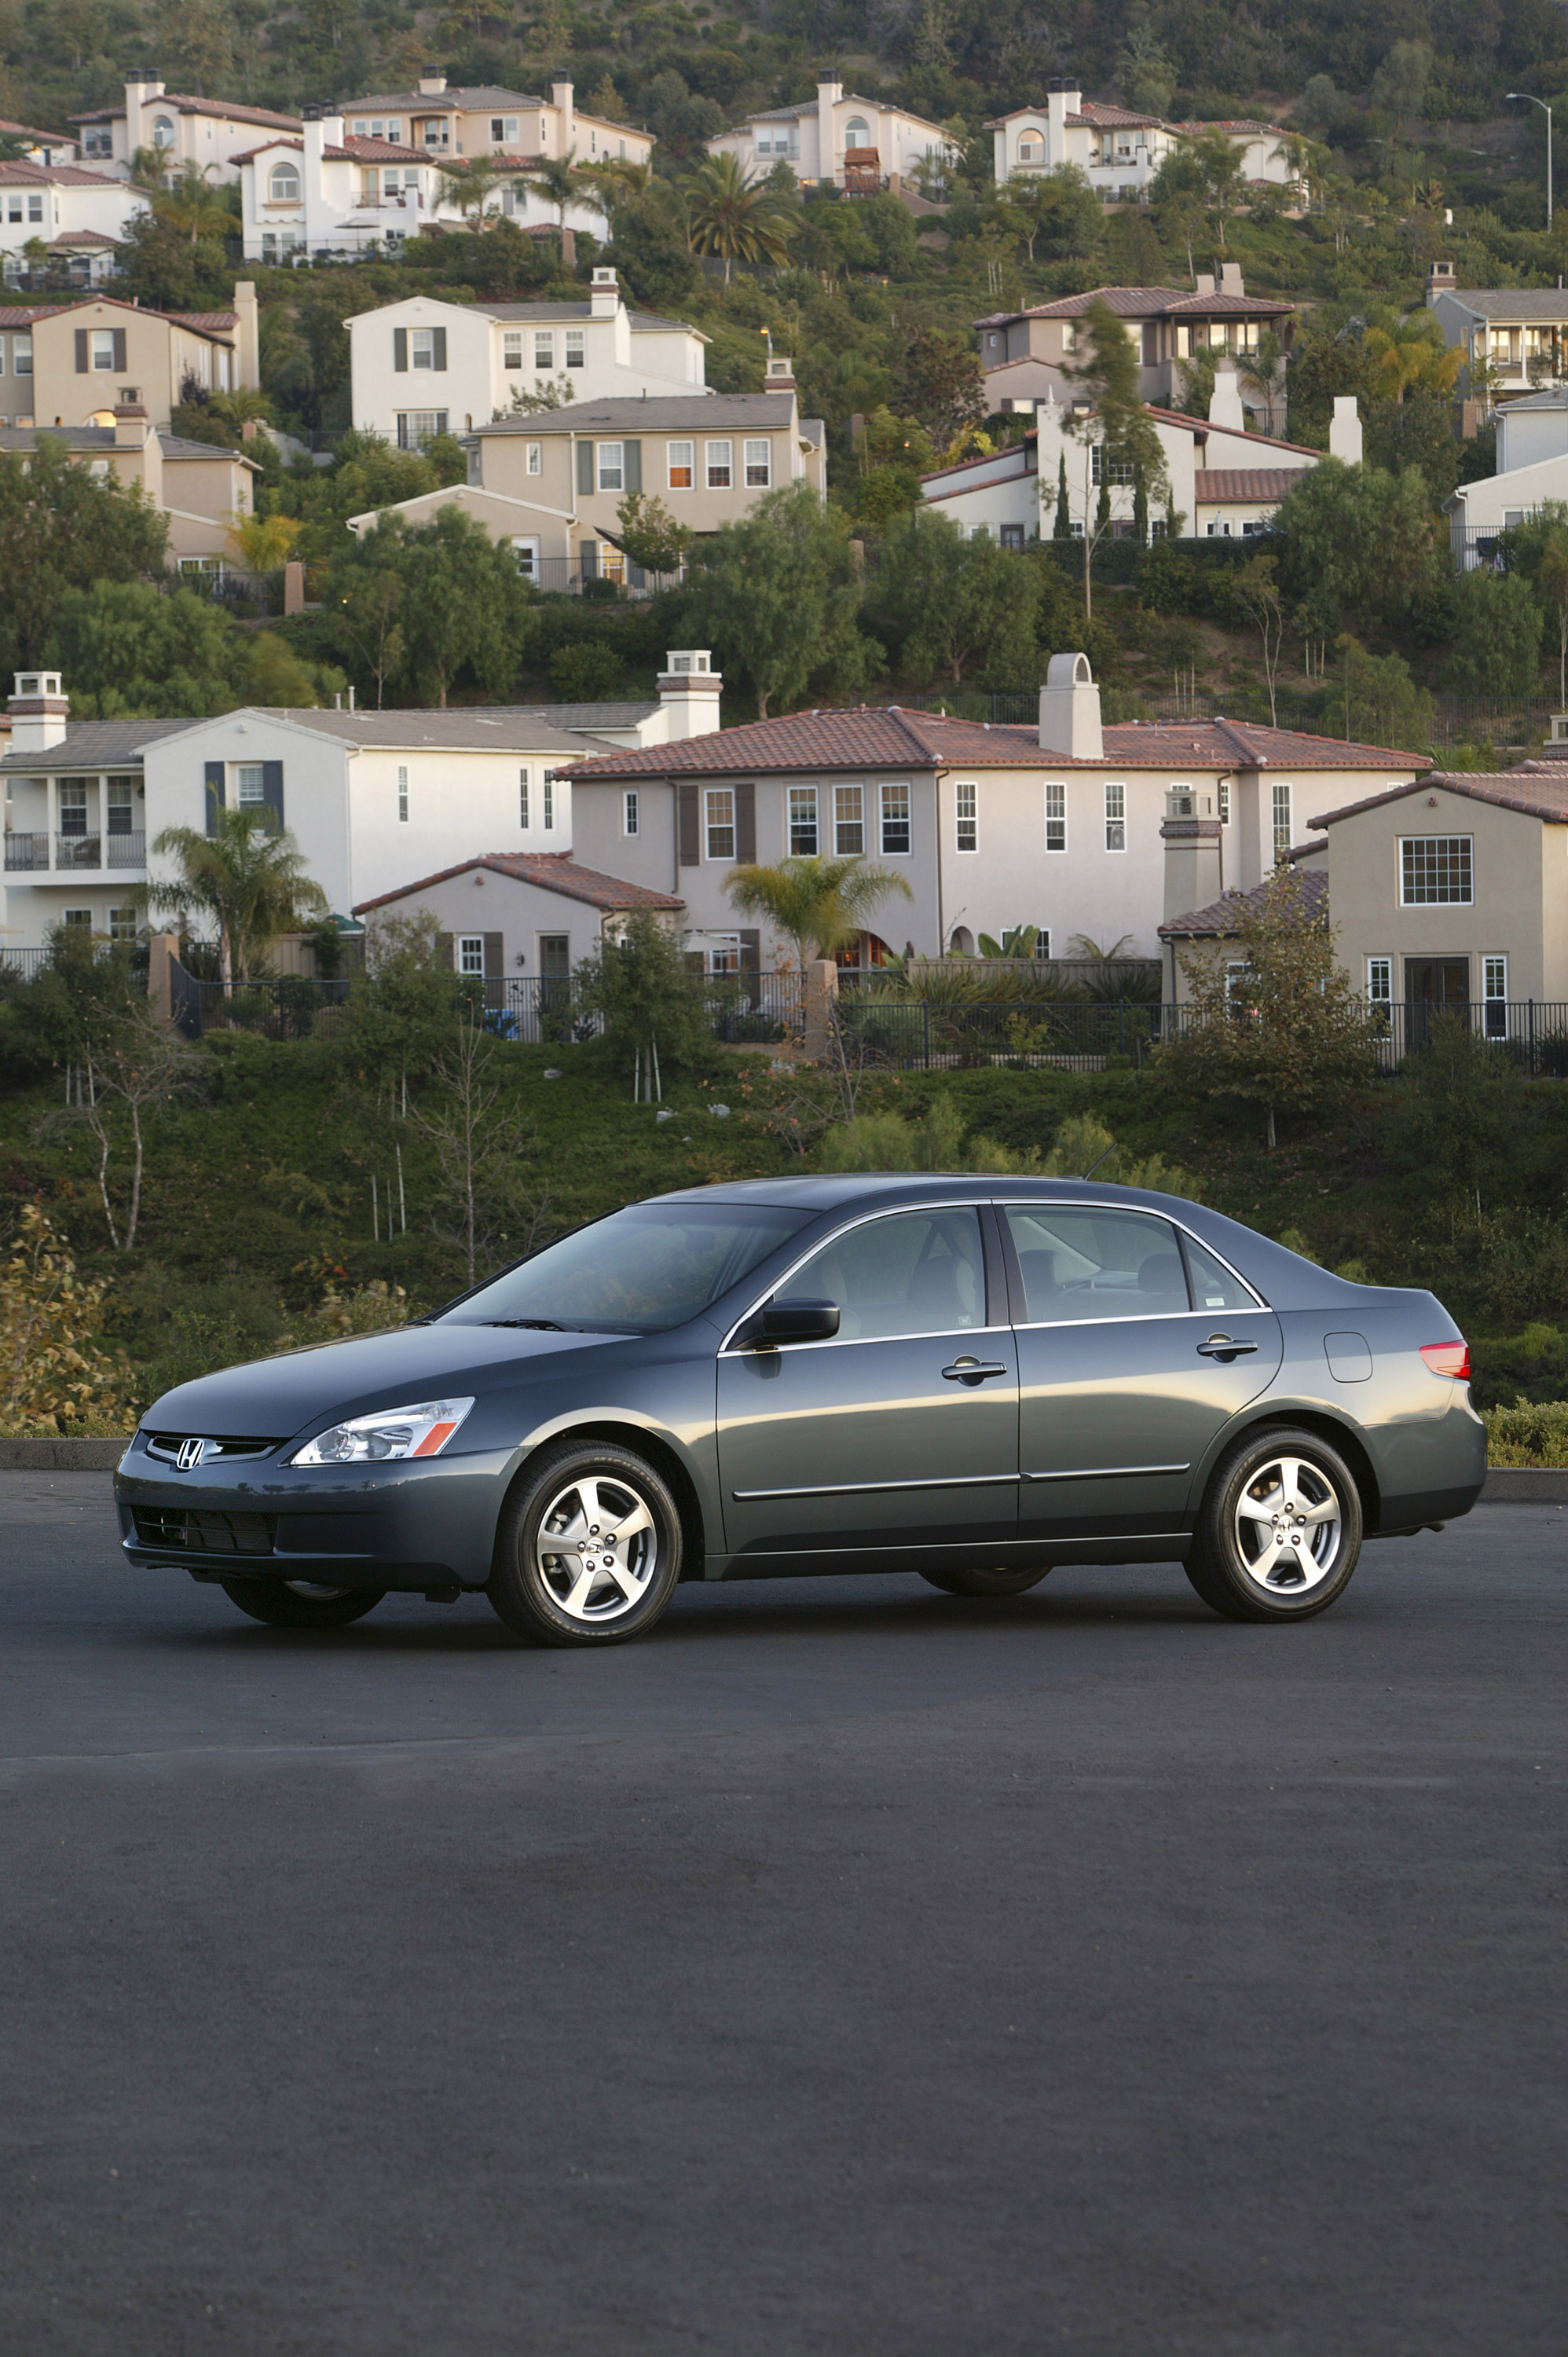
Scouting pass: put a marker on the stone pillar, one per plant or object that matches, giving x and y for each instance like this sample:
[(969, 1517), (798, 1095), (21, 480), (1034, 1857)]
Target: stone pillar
[(162, 951), (294, 587), (821, 994)]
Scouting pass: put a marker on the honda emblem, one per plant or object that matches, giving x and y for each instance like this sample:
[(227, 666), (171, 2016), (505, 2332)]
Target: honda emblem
[(190, 1455)]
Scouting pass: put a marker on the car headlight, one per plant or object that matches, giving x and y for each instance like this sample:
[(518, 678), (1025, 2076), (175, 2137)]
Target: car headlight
[(420, 1431)]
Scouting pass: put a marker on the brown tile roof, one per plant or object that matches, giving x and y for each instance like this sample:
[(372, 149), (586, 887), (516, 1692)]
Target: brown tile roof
[(1224, 916), (1537, 788), (55, 175), (1146, 303), (869, 736), (552, 871), (220, 109), (1201, 425), (1098, 117), (1227, 486), (207, 323)]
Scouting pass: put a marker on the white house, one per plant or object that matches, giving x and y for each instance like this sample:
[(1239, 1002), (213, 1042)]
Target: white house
[(1532, 471), (81, 217), (206, 133), (42, 146), (1059, 826), (473, 363), (1118, 149), (541, 912), (503, 125), (837, 138)]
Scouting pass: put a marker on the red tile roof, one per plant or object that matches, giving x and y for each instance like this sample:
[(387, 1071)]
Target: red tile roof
[(1240, 486), (869, 736), (1204, 425), (1224, 916), (55, 175), (220, 109), (552, 871), (1536, 788)]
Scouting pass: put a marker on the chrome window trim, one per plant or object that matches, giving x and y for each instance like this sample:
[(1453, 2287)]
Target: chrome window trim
[(1025, 1204), (1104, 1472), (975, 1203)]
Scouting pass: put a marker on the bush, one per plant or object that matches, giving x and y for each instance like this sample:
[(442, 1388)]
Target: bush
[(1532, 1432)]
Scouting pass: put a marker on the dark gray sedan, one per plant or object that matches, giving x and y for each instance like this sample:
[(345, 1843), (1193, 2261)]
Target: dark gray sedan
[(971, 1379)]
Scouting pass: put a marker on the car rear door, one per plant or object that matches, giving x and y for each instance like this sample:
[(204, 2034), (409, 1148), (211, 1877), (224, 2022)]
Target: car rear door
[(1136, 1348)]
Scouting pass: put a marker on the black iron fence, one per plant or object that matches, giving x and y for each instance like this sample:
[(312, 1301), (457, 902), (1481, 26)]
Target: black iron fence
[(291, 1007)]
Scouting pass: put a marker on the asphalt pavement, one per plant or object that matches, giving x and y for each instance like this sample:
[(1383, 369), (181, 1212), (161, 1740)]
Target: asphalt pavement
[(847, 1969)]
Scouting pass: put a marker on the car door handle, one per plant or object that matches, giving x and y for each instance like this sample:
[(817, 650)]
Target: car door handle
[(1222, 1347), (974, 1371)]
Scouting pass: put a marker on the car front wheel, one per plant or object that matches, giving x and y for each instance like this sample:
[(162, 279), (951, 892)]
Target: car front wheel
[(1280, 1529), (301, 1603), (589, 1548)]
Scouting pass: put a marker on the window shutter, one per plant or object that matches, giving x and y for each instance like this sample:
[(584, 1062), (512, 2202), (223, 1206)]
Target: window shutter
[(495, 962), (444, 957), (82, 351), (120, 350), (271, 793), (691, 831), (589, 554), (751, 960), (214, 794), (400, 350), (746, 825), (438, 357), (585, 467), (632, 461)]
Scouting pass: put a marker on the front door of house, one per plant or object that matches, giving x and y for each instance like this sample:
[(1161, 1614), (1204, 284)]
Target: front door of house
[(1435, 987)]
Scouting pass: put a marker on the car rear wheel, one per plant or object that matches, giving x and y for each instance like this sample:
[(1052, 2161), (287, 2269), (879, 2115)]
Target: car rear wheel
[(1280, 1529), (589, 1548), (1005, 1580), (301, 1603)]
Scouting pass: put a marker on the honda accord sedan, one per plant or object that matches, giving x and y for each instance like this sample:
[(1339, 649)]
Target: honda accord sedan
[(973, 1380)]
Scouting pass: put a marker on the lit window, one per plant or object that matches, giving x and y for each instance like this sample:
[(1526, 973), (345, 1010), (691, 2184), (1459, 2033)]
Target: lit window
[(543, 348), (720, 465), (719, 811), (401, 795), (471, 954), (849, 821), (1380, 980), (511, 347), (1115, 818), (679, 455), (576, 356), (611, 466), (1435, 870), (1281, 804), (759, 465), (896, 819), (803, 822), (968, 826), (630, 813), (1056, 817)]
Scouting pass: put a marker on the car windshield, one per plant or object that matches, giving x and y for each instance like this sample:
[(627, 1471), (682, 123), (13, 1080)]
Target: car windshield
[(641, 1270)]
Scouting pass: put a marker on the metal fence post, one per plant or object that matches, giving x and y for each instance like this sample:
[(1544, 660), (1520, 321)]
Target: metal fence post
[(1532, 1018), (926, 1013), (1122, 1027)]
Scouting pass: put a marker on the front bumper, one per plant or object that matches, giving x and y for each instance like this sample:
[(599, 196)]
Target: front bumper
[(409, 1524)]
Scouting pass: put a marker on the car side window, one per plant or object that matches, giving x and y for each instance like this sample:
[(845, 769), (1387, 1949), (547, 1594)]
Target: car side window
[(911, 1273), (1086, 1263), (1213, 1286)]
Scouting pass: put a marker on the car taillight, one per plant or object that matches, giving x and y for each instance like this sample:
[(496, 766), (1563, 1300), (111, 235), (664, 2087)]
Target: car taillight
[(1448, 1358)]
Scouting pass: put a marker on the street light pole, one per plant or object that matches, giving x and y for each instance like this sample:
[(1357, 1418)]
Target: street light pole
[(1547, 112)]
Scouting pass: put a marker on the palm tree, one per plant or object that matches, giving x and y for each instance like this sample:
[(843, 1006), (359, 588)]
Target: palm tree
[(261, 545), (1263, 372), (557, 179), (614, 185), (821, 904), (735, 214), (247, 877), (470, 186), (189, 205)]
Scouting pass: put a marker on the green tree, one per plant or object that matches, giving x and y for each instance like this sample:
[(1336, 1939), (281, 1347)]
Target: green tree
[(1374, 701), (471, 185), (653, 1005), (1496, 637), (61, 528), (1117, 427), (1552, 584), (949, 602), (463, 605), (1399, 83), (1056, 210), (1289, 1033), (735, 215), (821, 905), (776, 596), (650, 534), (246, 879), (1255, 592), (939, 383), (129, 648), (556, 178), (1062, 528), (1357, 547)]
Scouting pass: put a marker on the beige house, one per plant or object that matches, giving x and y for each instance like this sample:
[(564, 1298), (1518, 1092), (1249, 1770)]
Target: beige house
[(76, 364), (479, 120), (552, 484), (1026, 355), (199, 488), (206, 134), (521, 912), (837, 139)]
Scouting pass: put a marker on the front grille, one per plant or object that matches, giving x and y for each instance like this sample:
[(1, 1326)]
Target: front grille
[(195, 1532), (167, 1447)]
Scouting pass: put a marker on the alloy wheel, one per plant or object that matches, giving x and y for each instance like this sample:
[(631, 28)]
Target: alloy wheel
[(596, 1550), (1289, 1525)]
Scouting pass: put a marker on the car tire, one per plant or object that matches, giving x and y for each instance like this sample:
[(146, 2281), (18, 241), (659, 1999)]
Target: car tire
[(300, 1603), (1280, 1529), (573, 1592), (1003, 1580)]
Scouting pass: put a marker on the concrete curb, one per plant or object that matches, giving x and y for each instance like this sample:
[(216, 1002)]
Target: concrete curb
[(1525, 1485), (61, 1456)]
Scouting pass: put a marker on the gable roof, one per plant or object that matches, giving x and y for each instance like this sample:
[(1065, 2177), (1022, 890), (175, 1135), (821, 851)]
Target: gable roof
[(798, 114), (470, 99), (464, 729), (1523, 303), (1224, 916), (1535, 789), (57, 175), (1242, 486), (1147, 303), (220, 109), (95, 745), (756, 411), (552, 871)]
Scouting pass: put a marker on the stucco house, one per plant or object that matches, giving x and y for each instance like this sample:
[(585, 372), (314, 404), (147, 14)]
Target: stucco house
[(541, 914), (40, 147), (1056, 826), (1514, 337), (479, 119), (1532, 472), (198, 487), (836, 140), (80, 216), (76, 364), (1117, 148), (180, 129)]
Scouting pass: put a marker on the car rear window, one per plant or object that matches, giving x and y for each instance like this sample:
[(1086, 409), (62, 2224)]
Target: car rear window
[(641, 1271)]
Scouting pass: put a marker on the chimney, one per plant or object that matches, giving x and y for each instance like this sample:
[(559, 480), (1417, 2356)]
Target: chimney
[(130, 425), (830, 89), (779, 376), (689, 690), (1191, 834), (248, 333), (1203, 282), (604, 294), (1345, 430), (39, 712), (323, 129), (561, 99), (431, 83), (1230, 278), (1225, 409), (1440, 280), (1069, 710), (1063, 97)]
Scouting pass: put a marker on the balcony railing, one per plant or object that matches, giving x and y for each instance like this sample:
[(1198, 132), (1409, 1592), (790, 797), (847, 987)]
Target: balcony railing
[(126, 850), (23, 851)]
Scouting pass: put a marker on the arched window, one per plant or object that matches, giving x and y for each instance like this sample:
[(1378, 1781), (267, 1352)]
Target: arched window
[(162, 132), (284, 185), (858, 131), (1031, 148)]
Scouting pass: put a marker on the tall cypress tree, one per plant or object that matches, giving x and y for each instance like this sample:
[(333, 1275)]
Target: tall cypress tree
[(1062, 528)]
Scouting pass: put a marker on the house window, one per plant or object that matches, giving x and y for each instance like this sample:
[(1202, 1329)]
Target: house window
[(162, 132), (968, 824), (73, 806), (422, 347), (718, 804), (1379, 982), (471, 954), (548, 785), (576, 356), (858, 131), (511, 347), (543, 348), (1224, 801), (680, 456), (1056, 817), (555, 956), (721, 465), (250, 785), (83, 916), (22, 355), (1031, 148), (1042, 940), (896, 820), (416, 427), (803, 822), (1115, 818), (503, 130), (401, 795), (119, 798), (610, 466), (522, 799), (284, 185), (525, 549), (1495, 995), (122, 924), (724, 953), (1435, 870), (103, 350), (849, 821), (630, 813), (1011, 535), (1281, 818), (758, 465), (1104, 469)]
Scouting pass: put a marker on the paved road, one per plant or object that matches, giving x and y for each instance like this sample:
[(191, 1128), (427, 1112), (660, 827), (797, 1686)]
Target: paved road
[(848, 1970)]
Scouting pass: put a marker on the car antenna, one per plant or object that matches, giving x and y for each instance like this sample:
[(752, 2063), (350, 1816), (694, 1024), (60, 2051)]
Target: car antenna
[(1094, 1165)]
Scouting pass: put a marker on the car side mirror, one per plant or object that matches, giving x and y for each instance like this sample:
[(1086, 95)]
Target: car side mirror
[(792, 1321)]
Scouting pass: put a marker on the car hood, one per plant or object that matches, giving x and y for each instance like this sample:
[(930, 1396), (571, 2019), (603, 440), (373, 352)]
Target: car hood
[(276, 1398)]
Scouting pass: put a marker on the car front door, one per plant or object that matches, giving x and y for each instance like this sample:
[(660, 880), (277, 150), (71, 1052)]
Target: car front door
[(902, 1431), (1137, 1346)]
